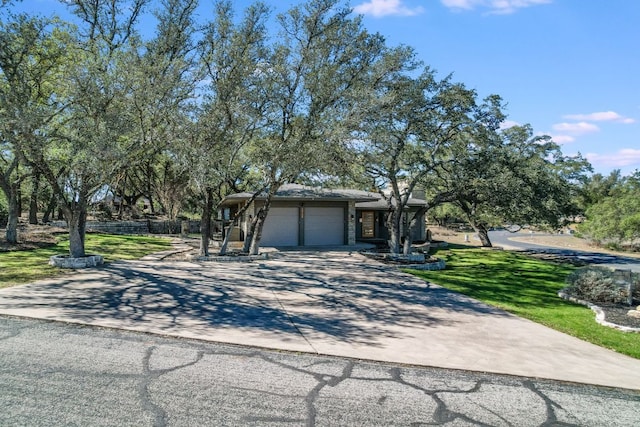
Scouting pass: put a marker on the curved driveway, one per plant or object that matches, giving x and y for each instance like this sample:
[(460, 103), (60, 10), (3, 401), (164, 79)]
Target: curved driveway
[(504, 239), (333, 303)]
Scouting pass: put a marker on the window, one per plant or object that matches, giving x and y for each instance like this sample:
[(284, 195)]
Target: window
[(368, 224)]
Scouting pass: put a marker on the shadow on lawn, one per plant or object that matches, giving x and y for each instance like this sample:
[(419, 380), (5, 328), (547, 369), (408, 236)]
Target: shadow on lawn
[(344, 297), (501, 277)]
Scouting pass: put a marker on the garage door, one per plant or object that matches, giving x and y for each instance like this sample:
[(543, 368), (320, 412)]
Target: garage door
[(280, 227), (323, 226)]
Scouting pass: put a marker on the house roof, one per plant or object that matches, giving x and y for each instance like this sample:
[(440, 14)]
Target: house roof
[(381, 204), (296, 192)]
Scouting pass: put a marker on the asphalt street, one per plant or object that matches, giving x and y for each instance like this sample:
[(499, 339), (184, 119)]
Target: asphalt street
[(333, 303), (61, 374), (503, 238)]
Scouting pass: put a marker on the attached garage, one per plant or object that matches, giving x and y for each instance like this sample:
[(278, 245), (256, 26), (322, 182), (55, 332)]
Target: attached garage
[(324, 226), (281, 227), (300, 215)]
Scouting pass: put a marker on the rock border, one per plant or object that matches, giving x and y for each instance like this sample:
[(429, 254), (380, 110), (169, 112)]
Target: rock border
[(229, 258), (600, 315), (66, 261), (414, 261), (427, 266)]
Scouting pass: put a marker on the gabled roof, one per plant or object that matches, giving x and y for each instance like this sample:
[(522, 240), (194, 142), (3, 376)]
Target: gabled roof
[(381, 204), (296, 192)]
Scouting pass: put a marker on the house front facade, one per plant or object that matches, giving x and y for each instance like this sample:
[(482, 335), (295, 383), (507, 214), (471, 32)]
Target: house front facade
[(300, 216), (371, 220), (309, 216)]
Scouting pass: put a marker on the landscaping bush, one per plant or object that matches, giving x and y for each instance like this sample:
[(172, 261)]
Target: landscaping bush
[(595, 284)]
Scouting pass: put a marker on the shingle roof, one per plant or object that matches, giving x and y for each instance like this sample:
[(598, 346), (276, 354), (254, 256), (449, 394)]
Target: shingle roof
[(381, 204), (295, 192)]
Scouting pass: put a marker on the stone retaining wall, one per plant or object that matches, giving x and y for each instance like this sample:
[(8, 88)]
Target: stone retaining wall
[(136, 227)]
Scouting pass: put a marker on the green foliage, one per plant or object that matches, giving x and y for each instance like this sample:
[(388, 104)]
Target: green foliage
[(597, 187), (411, 136), (595, 284), (526, 287), (514, 178), (615, 217), (446, 213)]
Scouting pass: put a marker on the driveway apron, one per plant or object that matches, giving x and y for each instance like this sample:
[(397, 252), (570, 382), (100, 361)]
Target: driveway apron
[(333, 303)]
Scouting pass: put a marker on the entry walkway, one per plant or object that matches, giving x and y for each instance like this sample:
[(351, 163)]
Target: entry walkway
[(333, 303)]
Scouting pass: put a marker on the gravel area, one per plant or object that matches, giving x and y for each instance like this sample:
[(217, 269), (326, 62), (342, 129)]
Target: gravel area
[(617, 314)]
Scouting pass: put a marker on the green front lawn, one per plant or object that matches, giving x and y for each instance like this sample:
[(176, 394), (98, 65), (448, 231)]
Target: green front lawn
[(526, 287), (17, 267)]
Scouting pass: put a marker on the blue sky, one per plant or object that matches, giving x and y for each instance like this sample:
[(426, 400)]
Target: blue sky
[(570, 68)]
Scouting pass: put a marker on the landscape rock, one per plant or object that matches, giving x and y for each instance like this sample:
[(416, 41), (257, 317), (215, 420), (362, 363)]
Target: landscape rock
[(65, 261), (634, 313)]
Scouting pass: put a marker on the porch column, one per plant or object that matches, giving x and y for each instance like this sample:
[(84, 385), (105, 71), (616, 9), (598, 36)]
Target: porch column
[(351, 223)]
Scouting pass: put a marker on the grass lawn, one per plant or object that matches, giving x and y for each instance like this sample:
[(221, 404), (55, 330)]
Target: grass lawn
[(26, 266), (526, 287)]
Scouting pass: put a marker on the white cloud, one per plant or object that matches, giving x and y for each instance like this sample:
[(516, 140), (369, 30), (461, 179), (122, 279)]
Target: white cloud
[(601, 116), (578, 128), (622, 158), (498, 7), (562, 139), (508, 124), (379, 8)]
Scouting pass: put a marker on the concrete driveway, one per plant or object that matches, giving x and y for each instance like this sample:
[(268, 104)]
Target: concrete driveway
[(333, 303)]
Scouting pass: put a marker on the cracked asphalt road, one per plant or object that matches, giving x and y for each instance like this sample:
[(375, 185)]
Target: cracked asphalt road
[(62, 374), (334, 303)]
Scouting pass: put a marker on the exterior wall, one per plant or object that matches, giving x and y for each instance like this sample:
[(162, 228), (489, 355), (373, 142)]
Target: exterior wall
[(351, 223)]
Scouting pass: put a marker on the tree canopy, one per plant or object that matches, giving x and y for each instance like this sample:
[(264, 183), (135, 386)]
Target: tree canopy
[(613, 217), (248, 102), (513, 178)]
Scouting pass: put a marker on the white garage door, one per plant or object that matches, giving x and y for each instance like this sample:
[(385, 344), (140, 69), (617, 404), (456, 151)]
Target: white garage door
[(323, 226), (280, 227)]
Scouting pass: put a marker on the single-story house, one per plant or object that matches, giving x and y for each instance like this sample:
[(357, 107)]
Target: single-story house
[(310, 216), (371, 220)]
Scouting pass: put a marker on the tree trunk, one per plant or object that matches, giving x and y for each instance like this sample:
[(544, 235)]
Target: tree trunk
[(33, 201), (413, 226), (257, 229), (51, 206), (408, 236), (205, 222), (248, 239), (149, 187), (12, 220), (121, 204), (393, 224), (226, 239), (77, 220), (483, 234)]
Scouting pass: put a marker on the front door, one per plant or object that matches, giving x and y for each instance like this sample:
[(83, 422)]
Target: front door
[(368, 224)]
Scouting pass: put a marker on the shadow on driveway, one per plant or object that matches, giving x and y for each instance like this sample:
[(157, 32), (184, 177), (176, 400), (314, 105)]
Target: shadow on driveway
[(340, 296)]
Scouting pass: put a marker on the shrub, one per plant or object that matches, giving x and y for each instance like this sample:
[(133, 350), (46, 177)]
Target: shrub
[(595, 284)]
